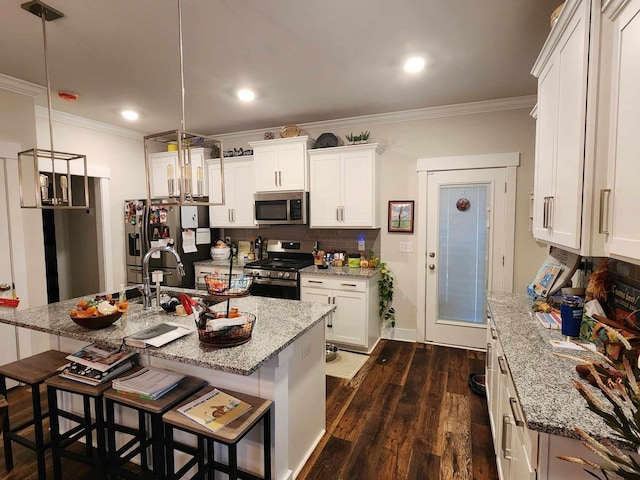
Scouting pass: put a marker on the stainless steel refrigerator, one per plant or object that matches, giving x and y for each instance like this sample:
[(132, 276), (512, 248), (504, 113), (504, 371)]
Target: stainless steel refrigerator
[(186, 228)]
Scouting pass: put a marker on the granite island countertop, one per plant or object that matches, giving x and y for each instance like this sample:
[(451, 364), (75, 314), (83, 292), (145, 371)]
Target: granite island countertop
[(543, 381), (341, 271), (278, 324)]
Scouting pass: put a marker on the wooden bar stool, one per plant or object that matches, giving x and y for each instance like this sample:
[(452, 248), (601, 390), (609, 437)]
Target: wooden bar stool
[(142, 440), (228, 435), (85, 425), (32, 371)]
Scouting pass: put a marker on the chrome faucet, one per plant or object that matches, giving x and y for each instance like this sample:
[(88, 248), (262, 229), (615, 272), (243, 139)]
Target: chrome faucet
[(146, 278)]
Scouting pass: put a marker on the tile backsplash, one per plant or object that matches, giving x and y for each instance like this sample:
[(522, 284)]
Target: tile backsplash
[(328, 239), (624, 272)]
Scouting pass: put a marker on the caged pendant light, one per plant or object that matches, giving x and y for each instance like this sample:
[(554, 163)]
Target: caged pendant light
[(52, 172), (180, 176)]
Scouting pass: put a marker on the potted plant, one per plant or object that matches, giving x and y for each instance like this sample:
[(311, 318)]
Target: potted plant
[(364, 136), (353, 139), (385, 294)]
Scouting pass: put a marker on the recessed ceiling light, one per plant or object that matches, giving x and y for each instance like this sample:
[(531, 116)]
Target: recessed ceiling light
[(414, 65), (130, 114), (246, 95)]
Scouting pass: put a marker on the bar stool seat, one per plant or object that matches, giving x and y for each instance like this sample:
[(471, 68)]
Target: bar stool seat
[(32, 371), (228, 435), (85, 425), (142, 440)]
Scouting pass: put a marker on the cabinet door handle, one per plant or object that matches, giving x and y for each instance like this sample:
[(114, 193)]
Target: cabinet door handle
[(233, 214), (545, 212), (550, 214), (494, 334), (349, 285), (503, 368), (229, 214), (506, 437), (513, 403), (315, 281), (603, 227), (338, 214), (342, 213), (275, 177), (487, 360), (279, 178), (334, 300), (330, 320)]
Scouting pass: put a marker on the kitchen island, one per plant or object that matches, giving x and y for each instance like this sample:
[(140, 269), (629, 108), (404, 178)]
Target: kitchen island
[(283, 362)]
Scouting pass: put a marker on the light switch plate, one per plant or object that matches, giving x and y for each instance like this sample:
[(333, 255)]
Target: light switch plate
[(405, 247)]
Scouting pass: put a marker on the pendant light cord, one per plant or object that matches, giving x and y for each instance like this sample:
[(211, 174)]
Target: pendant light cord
[(182, 122), (46, 72)]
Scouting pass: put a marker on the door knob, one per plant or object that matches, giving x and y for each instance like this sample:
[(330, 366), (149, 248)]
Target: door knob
[(4, 287), (432, 266)]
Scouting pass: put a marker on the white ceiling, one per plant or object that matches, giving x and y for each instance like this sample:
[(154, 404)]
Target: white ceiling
[(307, 60)]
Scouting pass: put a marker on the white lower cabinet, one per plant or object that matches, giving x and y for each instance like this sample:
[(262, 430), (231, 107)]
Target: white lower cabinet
[(355, 324), (515, 445)]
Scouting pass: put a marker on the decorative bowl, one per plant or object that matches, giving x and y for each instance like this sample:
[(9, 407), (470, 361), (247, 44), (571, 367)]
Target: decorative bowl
[(96, 322), (289, 131), (220, 253)]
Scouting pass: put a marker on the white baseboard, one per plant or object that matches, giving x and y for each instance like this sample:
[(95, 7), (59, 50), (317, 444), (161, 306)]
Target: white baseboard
[(401, 334), (307, 455)]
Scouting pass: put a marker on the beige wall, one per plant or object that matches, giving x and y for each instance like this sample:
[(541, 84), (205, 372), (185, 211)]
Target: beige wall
[(123, 155), (17, 125)]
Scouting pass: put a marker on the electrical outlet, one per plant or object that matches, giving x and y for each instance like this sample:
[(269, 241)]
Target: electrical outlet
[(405, 247), (361, 245)]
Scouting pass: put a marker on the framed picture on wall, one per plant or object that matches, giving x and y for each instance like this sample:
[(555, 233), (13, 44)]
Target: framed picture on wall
[(400, 216)]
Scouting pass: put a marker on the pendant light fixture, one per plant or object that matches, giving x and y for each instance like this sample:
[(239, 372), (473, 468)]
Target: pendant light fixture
[(53, 173), (180, 176)]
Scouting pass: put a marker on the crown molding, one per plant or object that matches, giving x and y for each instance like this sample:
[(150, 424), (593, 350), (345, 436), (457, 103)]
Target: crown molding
[(83, 122), (22, 87), (470, 108)]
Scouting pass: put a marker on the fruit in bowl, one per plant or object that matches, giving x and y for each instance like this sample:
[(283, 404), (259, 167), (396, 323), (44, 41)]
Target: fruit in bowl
[(98, 313)]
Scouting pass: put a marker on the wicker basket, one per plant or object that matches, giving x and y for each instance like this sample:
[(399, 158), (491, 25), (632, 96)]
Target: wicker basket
[(234, 285), (231, 336)]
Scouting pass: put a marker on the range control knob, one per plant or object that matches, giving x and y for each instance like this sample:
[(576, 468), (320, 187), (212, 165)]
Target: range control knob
[(266, 274), (286, 275), (280, 274)]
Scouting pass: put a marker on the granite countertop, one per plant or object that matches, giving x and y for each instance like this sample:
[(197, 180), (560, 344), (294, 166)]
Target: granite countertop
[(543, 381), (278, 324), (342, 271)]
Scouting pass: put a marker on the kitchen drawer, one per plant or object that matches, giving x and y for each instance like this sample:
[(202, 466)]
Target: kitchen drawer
[(334, 283)]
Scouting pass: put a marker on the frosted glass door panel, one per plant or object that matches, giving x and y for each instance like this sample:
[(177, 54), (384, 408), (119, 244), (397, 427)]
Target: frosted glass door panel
[(463, 242)]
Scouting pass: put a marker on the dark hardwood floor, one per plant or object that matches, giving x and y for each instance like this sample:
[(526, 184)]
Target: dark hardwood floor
[(407, 415)]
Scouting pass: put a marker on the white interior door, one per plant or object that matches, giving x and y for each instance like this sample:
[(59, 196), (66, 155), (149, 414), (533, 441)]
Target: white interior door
[(465, 249)]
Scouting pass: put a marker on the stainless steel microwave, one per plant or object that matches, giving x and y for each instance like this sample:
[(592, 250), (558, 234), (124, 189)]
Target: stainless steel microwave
[(281, 208)]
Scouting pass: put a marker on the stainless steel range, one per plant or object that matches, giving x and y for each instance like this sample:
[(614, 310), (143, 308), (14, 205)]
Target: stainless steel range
[(278, 275)]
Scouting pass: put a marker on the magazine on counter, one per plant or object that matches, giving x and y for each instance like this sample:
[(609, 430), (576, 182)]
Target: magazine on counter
[(99, 359), (158, 335), (215, 409)]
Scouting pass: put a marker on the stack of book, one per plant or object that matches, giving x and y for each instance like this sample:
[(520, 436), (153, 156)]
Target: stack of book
[(93, 365), (149, 383)]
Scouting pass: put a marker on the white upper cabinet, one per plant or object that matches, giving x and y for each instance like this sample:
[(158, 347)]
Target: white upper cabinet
[(281, 164), (164, 167), (622, 196), (344, 190), (239, 189), (562, 71)]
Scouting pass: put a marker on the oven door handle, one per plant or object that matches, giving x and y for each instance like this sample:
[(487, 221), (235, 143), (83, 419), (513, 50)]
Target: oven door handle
[(271, 281)]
